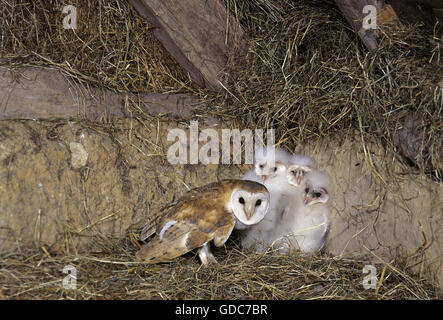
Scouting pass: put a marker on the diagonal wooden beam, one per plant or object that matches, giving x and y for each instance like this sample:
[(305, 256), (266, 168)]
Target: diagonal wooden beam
[(353, 10), (199, 34)]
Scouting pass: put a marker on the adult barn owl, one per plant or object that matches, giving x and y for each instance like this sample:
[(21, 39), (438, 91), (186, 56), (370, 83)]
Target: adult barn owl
[(201, 215)]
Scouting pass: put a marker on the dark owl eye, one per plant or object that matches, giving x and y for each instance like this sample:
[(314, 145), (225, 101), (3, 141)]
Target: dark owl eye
[(275, 169), (317, 194), (258, 203), (307, 190), (241, 200), (261, 166)]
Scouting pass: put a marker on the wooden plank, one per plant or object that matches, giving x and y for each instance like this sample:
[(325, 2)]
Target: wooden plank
[(354, 14), (38, 93), (199, 34)]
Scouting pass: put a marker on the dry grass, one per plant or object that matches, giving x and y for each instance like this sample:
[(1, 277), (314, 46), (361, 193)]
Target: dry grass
[(308, 76), (112, 47), (37, 274)]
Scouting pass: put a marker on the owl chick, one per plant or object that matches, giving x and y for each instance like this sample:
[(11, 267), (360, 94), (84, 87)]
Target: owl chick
[(298, 167), (201, 215), (265, 159), (306, 223), (275, 178), (269, 169), (276, 183)]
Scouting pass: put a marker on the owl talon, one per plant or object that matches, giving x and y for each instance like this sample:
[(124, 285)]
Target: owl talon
[(206, 257), (209, 263)]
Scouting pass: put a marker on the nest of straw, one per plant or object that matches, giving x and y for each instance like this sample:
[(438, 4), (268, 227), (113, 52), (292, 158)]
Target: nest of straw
[(38, 274), (308, 76)]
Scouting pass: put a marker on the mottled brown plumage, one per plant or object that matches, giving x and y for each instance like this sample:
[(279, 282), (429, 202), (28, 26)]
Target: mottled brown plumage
[(199, 216)]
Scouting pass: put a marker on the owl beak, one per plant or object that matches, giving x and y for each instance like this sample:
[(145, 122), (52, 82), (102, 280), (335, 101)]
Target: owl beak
[(307, 200), (298, 177), (264, 177), (249, 209)]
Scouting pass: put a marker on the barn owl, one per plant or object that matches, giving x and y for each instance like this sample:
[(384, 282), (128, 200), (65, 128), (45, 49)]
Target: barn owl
[(201, 215), (298, 167), (269, 169), (265, 159), (273, 183), (306, 222), (276, 183), (285, 188)]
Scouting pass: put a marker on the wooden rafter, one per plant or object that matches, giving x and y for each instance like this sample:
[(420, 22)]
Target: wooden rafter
[(199, 34)]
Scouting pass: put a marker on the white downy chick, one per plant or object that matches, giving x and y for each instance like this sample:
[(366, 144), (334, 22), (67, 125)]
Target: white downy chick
[(305, 224), (299, 165)]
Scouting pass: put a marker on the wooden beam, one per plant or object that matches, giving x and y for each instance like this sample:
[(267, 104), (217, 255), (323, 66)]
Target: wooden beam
[(38, 93), (355, 15), (199, 34)]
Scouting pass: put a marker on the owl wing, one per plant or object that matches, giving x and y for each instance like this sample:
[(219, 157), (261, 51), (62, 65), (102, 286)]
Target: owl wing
[(189, 225), (209, 191), (154, 219), (174, 240)]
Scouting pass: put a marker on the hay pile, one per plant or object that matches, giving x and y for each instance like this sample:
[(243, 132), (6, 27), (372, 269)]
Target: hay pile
[(31, 274), (112, 47), (309, 76)]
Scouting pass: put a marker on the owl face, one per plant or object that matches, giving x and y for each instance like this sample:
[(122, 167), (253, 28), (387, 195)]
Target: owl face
[(313, 195), (269, 162), (296, 173), (249, 207), (268, 172), (318, 188)]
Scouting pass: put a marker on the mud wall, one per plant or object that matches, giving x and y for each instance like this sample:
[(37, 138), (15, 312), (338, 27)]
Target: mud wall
[(62, 184)]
